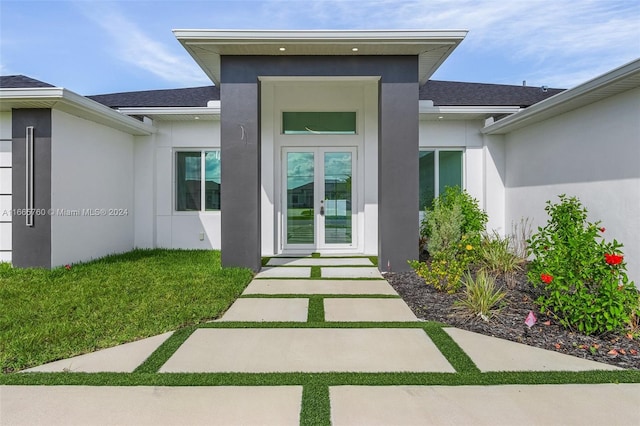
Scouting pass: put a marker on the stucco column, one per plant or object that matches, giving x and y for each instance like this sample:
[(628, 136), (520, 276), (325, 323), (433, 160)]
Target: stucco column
[(31, 245), (240, 180), (398, 176)]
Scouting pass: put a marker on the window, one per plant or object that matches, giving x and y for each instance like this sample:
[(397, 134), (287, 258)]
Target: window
[(323, 123), (192, 191), (438, 169)]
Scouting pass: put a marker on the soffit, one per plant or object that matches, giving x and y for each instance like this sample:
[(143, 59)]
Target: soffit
[(431, 47)]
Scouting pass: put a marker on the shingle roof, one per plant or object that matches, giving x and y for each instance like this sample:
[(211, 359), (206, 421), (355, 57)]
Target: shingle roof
[(190, 97), (21, 82), (442, 93), (446, 93)]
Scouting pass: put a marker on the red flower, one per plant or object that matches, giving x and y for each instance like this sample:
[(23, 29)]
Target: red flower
[(67, 267), (613, 259), (603, 229), (546, 278)]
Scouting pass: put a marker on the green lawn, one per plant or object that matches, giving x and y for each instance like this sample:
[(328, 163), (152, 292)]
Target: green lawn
[(48, 315)]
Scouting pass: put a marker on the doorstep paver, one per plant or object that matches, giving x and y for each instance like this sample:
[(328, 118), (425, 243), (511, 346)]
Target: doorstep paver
[(320, 287), (319, 261), (150, 405), (265, 350), (350, 272), (282, 272), (485, 405), (362, 309), (254, 309), (493, 354), (119, 359)]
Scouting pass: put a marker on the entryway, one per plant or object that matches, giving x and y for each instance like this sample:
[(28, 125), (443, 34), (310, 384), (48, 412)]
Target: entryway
[(319, 198)]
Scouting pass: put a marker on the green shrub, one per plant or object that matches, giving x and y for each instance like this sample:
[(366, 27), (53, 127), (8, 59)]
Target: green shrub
[(586, 285), (446, 228), (442, 272), (474, 219), (481, 295), (496, 257)]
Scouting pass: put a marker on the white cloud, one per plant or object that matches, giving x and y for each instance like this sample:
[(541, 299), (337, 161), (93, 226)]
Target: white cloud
[(134, 46)]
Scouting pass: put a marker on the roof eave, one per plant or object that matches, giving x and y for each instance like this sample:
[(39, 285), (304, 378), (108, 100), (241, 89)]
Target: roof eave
[(432, 47), (616, 81), (74, 104)]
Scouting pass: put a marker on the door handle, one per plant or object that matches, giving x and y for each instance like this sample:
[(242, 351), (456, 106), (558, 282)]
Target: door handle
[(321, 210)]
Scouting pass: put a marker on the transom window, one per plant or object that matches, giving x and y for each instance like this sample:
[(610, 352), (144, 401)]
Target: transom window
[(319, 123), (438, 169), (194, 189)]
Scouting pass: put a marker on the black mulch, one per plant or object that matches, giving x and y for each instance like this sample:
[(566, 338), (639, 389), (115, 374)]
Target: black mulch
[(509, 323)]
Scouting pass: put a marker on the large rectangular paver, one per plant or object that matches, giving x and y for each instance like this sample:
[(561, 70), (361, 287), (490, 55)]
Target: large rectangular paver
[(307, 350), (319, 261), (485, 405), (119, 359), (282, 272), (150, 405), (251, 309), (361, 309), (493, 354), (336, 286), (350, 272)]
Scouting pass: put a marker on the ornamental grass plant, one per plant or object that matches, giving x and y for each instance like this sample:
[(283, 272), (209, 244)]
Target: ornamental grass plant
[(481, 296)]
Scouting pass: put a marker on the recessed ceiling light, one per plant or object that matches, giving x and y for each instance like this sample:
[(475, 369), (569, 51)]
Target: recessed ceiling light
[(354, 49), (196, 118), (282, 49), (440, 117)]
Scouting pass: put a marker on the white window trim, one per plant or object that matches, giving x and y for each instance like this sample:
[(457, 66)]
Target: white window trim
[(203, 194)]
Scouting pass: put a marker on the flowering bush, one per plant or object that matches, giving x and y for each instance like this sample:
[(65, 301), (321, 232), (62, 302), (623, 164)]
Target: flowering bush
[(585, 280)]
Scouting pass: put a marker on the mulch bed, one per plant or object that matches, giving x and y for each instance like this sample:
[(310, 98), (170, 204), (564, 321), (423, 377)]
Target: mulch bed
[(431, 305)]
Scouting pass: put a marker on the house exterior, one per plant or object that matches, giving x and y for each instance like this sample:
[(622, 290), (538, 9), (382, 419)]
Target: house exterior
[(308, 141)]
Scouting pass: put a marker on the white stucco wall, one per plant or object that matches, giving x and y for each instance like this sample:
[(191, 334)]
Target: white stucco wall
[(91, 168), (5, 186), (174, 229), (593, 153)]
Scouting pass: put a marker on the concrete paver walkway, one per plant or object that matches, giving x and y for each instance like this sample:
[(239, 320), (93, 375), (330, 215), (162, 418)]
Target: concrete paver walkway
[(351, 290)]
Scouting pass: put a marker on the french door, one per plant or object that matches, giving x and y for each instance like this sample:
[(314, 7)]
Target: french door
[(319, 198)]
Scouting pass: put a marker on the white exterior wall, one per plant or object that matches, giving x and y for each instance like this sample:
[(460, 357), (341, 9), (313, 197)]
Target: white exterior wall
[(592, 153), (174, 229), (5, 186), (91, 168)]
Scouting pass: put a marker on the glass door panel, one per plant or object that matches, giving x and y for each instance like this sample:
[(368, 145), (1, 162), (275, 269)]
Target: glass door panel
[(337, 197), (300, 211)]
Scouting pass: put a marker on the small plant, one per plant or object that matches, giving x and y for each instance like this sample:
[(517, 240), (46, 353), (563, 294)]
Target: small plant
[(585, 280), (481, 296), (496, 257)]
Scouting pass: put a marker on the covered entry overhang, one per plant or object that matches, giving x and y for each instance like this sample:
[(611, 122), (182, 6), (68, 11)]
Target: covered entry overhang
[(252, 67)]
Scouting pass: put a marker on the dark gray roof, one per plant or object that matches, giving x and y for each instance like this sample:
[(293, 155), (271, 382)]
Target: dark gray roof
[(190, 97), (21, 82), (444, 93)]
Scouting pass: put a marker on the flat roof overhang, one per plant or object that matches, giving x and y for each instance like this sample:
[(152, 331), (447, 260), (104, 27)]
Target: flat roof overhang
[(431, 47)]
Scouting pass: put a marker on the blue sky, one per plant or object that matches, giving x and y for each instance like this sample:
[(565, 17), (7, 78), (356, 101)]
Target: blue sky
[(94, 47)]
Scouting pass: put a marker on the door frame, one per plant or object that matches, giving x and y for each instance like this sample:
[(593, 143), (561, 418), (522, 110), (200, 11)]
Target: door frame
[(319, 244)]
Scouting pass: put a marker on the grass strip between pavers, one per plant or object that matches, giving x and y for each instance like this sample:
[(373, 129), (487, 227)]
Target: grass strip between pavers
[(454, 354), (316, 310), (323, 379), (316, 272), (162, 354), (316, 406)]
